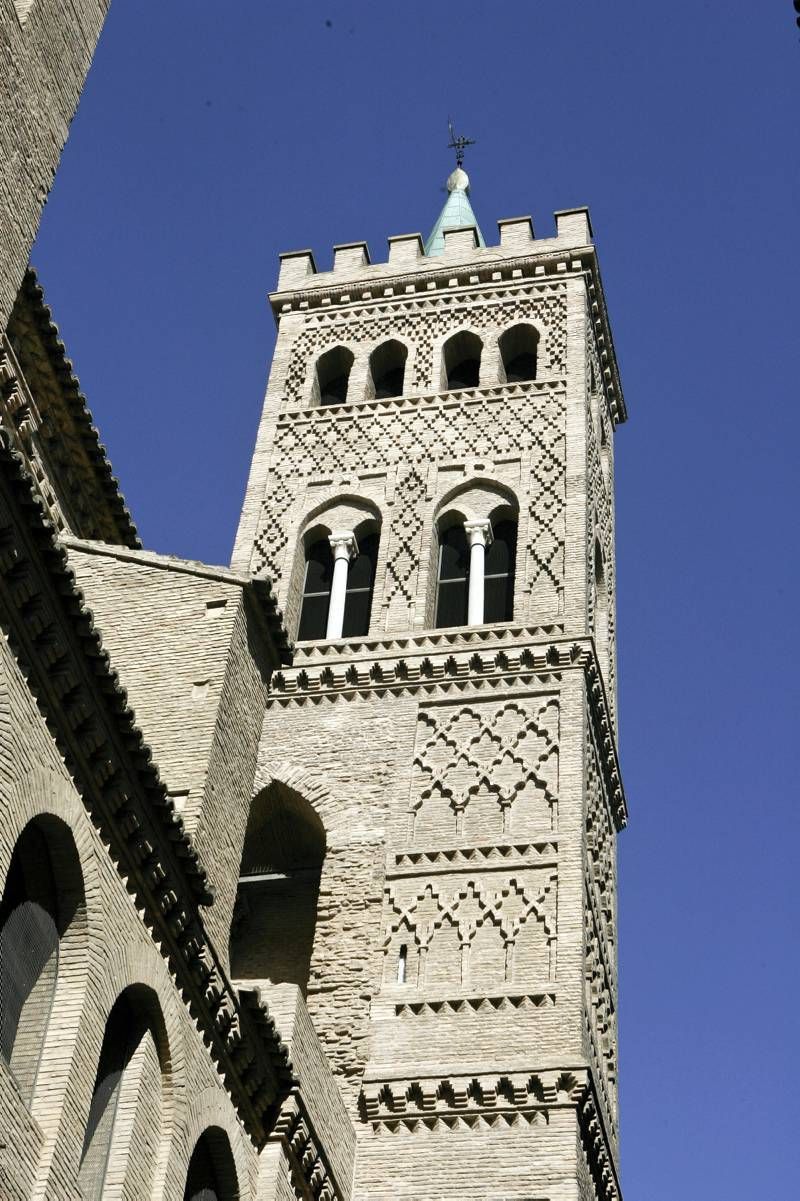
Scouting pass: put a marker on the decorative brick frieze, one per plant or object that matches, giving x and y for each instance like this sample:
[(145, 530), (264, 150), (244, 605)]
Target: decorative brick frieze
[(310, 1169), (46, 414)]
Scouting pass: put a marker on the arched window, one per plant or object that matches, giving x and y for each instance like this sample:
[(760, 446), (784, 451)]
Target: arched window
[(125, 1112), (361, 555), (451, 602), (476, 569), (387, 367), (212, 1172), (31, 923), (333, 376), (501, 554), (272, 935), (462, 360), (519, 349)]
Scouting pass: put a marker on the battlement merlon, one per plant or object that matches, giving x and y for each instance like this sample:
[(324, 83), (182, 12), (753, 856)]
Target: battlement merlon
[(355, 279)]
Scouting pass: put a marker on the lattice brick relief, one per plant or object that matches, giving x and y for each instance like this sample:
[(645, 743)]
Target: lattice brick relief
[(423, 323), (482, 933), (485, 773), (526, 420), (600, 925)]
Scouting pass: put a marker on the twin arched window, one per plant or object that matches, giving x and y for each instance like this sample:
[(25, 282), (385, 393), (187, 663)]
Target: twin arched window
[(338, 584), (475, 583)]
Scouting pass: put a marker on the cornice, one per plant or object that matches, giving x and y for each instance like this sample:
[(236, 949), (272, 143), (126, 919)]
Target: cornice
[(52, 634), (439, 665), (103, 478), (410, 402), (481, 1100), (309, 1166), (381, 285)]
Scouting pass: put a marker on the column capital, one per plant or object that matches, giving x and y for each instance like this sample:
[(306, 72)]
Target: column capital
[(479, 532), (343, 544)]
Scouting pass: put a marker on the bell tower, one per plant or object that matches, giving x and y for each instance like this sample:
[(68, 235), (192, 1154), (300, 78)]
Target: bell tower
[(431, 495)]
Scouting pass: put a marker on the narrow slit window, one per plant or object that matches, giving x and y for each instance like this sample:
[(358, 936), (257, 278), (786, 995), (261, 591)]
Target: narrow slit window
[(402, 964)]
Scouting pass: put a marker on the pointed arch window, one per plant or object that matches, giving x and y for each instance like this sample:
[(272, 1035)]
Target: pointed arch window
[(462, 360), (338, 586), (29, 953), (387, 366), (519, 352), (333, 376)]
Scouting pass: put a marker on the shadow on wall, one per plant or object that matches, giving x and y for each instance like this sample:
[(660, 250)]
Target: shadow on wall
[(272, 934)]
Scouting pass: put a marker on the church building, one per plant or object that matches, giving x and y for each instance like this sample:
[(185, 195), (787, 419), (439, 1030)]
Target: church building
[(308, 863)]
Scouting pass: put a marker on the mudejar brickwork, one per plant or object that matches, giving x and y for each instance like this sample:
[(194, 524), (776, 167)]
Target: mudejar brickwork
[(308, 864)]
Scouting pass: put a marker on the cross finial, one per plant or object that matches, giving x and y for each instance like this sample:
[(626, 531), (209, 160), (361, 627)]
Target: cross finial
[(458, 144)]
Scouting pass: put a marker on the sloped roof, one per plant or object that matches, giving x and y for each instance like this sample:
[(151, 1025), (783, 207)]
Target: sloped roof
[(457, 212)]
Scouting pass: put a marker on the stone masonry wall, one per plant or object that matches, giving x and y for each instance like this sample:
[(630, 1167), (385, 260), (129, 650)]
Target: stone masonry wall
[(106, 949), (190, 654), (46, 47)]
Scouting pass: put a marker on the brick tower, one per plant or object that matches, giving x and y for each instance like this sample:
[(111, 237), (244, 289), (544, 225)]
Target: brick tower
[(429, 867)]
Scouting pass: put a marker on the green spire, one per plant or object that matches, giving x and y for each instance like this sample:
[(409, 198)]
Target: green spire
[(457, 212)]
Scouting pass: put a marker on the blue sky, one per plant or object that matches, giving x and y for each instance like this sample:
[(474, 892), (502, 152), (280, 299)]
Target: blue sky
[(212, 137)]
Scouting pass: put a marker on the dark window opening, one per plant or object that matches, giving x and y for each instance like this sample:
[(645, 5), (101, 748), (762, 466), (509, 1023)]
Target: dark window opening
[(316, 590), (360, 585), (333, 376), (125, 1029), (276, 908), (452, 593), (387, 368), (29, 947), (498, 596), (402, 964), (519, 348), (462, 360), (212, 1172)]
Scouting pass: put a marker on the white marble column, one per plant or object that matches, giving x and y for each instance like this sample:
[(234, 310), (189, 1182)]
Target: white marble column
[(344, 547), (479, 535)]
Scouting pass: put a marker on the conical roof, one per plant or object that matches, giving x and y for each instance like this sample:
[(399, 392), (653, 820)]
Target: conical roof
[(457, 212)]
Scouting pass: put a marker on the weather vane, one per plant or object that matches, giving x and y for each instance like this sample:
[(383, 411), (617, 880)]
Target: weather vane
[(458, 144)]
